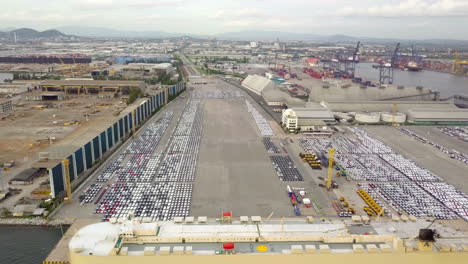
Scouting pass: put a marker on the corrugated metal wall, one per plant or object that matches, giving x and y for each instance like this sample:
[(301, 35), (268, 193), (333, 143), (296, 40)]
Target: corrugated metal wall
[(57, 179), (110, 138), (96, 152), (103, 142), (107, 139), (88, 155), (79, 161), (71, 168)]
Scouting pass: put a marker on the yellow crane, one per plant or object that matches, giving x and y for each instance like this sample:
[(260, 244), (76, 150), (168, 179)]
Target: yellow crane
[(330, 168), (63, 64), (395, 110), (458, 64), (66, 166)]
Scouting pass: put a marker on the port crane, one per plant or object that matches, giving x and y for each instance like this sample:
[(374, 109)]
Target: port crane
[(350, 62), (386, 69)]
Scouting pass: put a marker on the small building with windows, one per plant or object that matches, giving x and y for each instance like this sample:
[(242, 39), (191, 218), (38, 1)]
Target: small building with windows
[(6, 107), (306, 119)]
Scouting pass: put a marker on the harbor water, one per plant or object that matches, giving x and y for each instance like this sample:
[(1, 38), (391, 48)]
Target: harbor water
[(27, 244), (445, 83)]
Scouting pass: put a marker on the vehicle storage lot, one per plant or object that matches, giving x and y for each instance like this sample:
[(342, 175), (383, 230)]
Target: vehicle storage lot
[(234, 171), (75, 210), (452, 171)]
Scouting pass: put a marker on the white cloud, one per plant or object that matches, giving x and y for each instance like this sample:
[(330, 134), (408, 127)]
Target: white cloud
[(95, 4), (154, 3), (411, 8)]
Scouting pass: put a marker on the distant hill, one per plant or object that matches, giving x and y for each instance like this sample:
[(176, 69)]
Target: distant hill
[(31, 34), (71, 33), (100, 32)]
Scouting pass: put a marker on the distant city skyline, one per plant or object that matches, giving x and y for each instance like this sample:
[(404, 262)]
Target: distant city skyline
[(409, 19)]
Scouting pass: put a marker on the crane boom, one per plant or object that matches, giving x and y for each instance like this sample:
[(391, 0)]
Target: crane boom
[(356, 51), (395, 54)]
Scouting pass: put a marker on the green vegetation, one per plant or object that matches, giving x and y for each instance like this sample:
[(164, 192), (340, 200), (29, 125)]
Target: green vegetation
[(226, 58), (5, 212), (208, 71), (172, 97), (163, 78), (134, 94)]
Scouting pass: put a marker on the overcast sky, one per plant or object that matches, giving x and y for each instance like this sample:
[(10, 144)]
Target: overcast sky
[(415, 19)]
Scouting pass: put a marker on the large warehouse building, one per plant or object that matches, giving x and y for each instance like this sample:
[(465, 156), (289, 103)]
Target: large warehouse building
[(257, 84), (85, 152), (322, 91), (439, 117), (90, 86), (307, 118)]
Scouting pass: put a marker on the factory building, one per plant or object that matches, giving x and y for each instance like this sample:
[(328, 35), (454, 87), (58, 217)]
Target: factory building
[(198, 240), (44, 96), (385, 106), (438, 117), (253, 44), (327, 91), (306, 119), (6, 107), (152, 68), (256, 83), (270, 92), (90, 86), (312, 62), (14, 89)]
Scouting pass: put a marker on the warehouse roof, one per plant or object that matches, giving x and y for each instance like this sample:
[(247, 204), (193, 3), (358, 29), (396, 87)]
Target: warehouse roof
[(304, 113), (276, 95), (387, 106), (460, 115), (85, 82), (26, 175), (257, 83), (335, 92)]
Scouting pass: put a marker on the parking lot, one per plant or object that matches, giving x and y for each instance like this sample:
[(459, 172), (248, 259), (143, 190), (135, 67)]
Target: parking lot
[(234, 172), (451, 171)]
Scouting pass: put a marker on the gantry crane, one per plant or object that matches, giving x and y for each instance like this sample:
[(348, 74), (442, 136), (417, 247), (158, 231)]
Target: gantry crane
[(350, 63), (386, 69), (331, 151)]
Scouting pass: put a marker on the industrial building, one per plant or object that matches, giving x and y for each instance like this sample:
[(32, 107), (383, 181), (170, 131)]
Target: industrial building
[(312, 62), (150, 67), (14, 89), (41, 59), (306, 119), (90, 86), (384, 106), (438, 117), (252, 240), (270, 92), (44, 96), (25, 177), (6, 107), (256, 83), (329, 91)]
